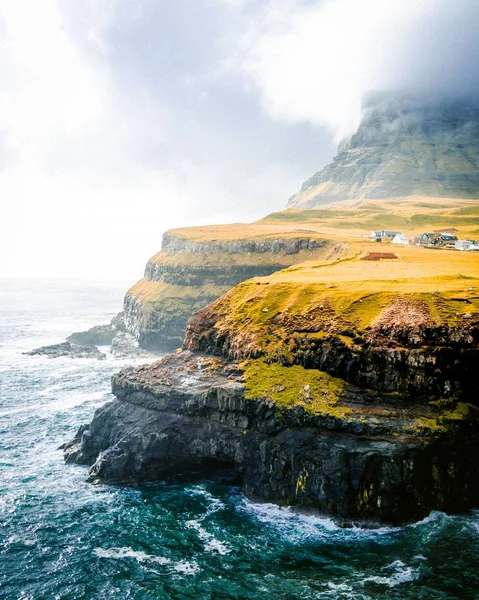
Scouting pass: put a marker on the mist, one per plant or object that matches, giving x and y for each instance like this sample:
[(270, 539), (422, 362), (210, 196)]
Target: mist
[(313, 62), (119, 120)]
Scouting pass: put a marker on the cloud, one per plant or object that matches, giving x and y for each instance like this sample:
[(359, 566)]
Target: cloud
[(313, 61), (121, 119), (112, 129)]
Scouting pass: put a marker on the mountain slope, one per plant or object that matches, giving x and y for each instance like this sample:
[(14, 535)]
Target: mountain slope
[(405, 145)]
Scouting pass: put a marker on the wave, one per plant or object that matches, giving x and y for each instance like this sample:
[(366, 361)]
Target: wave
[(182, 567), (399, 573)]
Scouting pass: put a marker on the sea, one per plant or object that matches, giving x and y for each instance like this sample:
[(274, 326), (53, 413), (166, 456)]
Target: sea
[(64, 538)]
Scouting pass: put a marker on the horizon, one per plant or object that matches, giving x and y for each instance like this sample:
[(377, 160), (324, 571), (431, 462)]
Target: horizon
[(122, 121)]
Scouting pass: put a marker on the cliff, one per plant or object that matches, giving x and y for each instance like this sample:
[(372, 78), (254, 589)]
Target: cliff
[(356, 398), (197, 265), (394, 322), (406, 145), (319, 370)]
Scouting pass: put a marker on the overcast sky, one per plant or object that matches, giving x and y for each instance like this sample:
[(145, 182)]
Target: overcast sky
[(120, 119)]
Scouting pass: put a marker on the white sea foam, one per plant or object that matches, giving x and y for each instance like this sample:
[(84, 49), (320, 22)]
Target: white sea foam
[(293, 525), (399, 573), (119, 553), (182, 567), (345, 591), (186, 568), (61, 404), (211, 544)]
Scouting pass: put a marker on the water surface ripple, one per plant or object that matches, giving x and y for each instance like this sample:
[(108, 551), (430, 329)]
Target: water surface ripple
[(61, 538)]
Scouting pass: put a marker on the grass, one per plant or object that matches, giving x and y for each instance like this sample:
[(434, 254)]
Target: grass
[(316, 391), (340, 220), (350, 295), (450, 413), (155, 291), (359, 217)]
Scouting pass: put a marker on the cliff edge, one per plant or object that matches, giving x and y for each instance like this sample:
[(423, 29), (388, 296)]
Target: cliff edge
[(348, 388), (197, 265)]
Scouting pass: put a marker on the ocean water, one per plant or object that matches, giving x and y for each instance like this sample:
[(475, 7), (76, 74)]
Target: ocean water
[(62, 538)]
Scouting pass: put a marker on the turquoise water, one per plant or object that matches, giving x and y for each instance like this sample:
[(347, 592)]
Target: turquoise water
[(61, 538)]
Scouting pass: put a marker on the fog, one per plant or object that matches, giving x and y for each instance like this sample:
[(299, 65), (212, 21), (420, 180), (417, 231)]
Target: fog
[(120, 119)]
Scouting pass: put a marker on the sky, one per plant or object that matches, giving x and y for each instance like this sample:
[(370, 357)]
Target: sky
[(120, 119)]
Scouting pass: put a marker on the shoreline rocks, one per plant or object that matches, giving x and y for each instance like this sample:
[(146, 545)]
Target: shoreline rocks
[(100, 335), (188, 415), (68, 349)]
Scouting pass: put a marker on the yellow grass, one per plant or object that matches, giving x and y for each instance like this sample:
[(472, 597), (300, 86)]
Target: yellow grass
[(412, 216), (155, 291), (350, 294)]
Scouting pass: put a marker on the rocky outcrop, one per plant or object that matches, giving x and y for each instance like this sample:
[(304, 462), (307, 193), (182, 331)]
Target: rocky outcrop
[(413, 359), (100, 335), (405, 145), (348, 387), (68, 349), (124, 345), (187, 275), (190, 415)]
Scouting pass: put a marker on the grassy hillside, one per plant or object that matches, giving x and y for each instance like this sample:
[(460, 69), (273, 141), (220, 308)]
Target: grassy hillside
[(412, 216), (349, 295)]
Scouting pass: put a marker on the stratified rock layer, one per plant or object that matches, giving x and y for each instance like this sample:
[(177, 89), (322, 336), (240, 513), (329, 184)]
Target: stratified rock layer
[(405, 145), (188, 275), (188, 415)]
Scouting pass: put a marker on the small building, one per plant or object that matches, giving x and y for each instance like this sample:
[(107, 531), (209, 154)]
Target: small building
[(400, 238), (384, 234), (463, 244), (438, 239), (429, 239), (447, 238)]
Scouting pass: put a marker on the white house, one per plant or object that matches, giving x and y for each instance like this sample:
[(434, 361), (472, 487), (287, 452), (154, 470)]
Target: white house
[(400, 238), (463, 244)]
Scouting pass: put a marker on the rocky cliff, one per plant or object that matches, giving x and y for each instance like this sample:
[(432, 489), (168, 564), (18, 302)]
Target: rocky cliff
[(319, 370), (406, 145), (356, 398), (191, 272)]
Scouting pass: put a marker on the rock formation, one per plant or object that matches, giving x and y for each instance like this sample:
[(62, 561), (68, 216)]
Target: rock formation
[(70, 350), (317, 374), (357, 404), (188, 274), (100, 335), (405, 145)]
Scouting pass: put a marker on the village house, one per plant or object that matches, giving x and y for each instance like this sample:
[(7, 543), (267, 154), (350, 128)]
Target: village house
[(438, 239), (429, 239), (384, 234), (400, 238), (464, 245)]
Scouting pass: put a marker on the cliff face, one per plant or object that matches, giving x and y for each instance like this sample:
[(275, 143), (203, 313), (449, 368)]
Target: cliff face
[(404, 146), (190, 415), (357, 398), (318, 373), (189, 274)]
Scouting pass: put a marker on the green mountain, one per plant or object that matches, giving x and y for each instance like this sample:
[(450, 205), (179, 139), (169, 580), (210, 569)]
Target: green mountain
[(406, 145)]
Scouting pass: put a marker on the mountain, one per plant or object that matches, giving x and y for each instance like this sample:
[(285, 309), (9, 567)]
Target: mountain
[(406, 145), (318, 368)]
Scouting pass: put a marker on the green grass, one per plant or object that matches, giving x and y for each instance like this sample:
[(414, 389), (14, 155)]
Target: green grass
[(316, 391)]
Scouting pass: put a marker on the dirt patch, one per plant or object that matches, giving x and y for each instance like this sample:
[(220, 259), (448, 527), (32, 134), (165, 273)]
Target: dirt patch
[(404, 313), (380, 256)]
